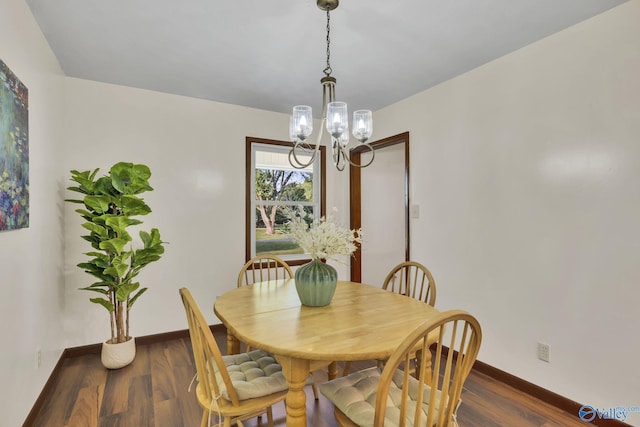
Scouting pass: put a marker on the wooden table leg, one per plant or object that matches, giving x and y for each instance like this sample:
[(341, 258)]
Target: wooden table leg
[(233, 344), (332, 370), (296, 372)]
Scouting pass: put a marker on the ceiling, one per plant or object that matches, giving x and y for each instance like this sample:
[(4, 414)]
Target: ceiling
[(270, 54)]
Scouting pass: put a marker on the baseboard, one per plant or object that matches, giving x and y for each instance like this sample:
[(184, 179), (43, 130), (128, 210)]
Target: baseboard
[(72, 352)]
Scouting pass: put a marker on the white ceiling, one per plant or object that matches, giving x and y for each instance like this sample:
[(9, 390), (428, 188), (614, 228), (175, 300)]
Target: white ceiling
[(270, 54)]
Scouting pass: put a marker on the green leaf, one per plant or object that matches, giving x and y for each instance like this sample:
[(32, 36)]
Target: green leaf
[(103, 186), (121, 168), (118, 221), (73, 200), (134, 177), (118, 266), (103, 302), (133, 205), (136, 296), (123, 291), (89, 266), (117, 183), (113, 245), (95, 289), (99, 204), (85, 179), (95, 228), (151, 240), (99, 255)]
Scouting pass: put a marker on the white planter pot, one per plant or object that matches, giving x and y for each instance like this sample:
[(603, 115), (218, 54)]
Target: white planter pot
[(116, 356)]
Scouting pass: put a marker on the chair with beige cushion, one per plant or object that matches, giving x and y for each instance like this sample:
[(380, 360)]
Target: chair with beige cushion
[(391, 397), (235, 387), (411, 279), (263, 268), (414, 280)]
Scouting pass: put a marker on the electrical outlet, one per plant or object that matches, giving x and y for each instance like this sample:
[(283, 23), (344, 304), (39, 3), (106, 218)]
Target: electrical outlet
[(38, 358), (543, 351)]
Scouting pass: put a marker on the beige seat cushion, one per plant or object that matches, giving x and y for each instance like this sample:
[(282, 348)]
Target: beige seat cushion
[(253, 374), (355, 396)]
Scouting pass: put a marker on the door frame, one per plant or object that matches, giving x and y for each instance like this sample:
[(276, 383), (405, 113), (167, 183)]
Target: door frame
[(355, 196)]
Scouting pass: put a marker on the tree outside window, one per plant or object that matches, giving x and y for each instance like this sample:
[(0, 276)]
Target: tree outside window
[(273, 185)]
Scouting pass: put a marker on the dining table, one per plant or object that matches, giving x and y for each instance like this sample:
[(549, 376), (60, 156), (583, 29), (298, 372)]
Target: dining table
[(362, 322)]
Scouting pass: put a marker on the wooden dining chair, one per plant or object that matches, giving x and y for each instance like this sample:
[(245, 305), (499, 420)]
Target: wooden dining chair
[(263, 268), (235, 387), (392, 397), (411, 279)]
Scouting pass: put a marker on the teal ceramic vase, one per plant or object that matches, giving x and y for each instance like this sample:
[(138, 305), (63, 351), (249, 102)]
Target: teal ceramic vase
[(316, 283)]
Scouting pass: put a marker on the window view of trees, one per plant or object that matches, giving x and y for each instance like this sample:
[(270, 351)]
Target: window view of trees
[(274, 186), (276, 189)]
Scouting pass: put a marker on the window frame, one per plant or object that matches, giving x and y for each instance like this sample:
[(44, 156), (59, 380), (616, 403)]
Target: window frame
[(250, 204)]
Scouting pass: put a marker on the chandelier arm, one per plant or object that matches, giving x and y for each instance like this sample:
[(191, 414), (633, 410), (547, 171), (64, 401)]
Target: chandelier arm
[(339, 155), (373, 155), (340, 163), (295, 162), (292, 153)]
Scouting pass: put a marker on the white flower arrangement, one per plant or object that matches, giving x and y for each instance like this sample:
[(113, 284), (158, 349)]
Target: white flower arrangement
[(323, 239)]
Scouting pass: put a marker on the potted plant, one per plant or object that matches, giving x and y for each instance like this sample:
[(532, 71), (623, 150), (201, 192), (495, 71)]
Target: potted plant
[(322, 239), (110, 204)]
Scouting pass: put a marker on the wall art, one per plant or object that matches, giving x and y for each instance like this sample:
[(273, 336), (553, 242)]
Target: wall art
[(14, 151)]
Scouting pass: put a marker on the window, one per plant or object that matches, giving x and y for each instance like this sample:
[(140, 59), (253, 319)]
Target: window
[(273, 185)]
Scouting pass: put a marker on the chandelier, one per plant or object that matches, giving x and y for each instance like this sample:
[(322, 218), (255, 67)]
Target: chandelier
[(334, 118)]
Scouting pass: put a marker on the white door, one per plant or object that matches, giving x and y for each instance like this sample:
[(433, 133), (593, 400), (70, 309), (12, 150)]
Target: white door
[(383, 214)]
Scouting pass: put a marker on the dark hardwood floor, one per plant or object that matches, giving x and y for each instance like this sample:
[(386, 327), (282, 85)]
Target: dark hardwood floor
[(153, 392)]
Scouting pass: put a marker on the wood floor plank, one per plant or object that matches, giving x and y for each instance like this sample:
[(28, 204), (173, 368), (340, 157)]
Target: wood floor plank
[(140, 408), (86, 410), (168, 413), (116, 392), (164, 386), (187, 403)]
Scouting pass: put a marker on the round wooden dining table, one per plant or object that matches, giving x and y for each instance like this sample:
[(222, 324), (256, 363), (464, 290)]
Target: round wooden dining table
[(362, 322)]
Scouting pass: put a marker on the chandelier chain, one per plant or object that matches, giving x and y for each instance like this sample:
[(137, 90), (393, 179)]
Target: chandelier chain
[(327, 71)]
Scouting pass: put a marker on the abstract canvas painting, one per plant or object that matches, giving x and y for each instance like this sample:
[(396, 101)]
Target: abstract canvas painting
[(14, 151)]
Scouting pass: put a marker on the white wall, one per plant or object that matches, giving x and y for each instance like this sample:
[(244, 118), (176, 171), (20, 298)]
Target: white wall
[(31, 279), (527, 173), (196, 152)]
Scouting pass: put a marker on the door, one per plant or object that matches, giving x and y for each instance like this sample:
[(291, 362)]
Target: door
[(380, 205)]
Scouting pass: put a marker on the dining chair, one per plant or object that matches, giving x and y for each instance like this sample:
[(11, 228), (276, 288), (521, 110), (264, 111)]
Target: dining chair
[(235, 387), (263, 268), (411, 279), (391, 397)]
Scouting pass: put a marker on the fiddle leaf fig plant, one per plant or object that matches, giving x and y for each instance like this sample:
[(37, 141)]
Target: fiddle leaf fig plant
[(110, 204)]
